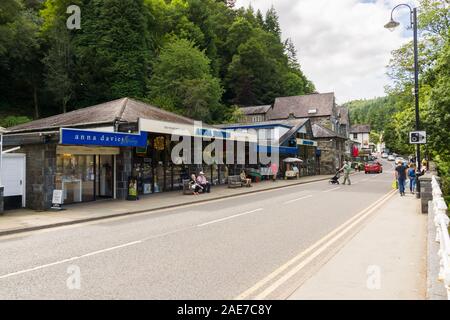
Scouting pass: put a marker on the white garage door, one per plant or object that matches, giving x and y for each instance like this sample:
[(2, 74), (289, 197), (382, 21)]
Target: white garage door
[(13, 175)]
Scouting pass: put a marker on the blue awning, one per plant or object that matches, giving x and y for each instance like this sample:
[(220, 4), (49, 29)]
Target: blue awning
[(279, 150)]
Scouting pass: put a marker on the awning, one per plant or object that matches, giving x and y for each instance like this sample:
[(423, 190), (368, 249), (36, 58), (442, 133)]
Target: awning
[(193, 130), (279, 150)]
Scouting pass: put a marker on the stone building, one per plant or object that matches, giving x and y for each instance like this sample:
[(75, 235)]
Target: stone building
[(332, 149), (255, 113), (98, 152), (360, 133)]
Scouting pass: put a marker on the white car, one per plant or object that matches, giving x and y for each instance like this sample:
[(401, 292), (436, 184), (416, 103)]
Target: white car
[(398, 159), (391, 158), (384, 155)]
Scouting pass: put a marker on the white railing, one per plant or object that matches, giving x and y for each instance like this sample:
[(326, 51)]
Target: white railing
[(439, 210)]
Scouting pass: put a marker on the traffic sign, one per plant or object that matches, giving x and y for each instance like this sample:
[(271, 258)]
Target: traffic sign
[(418, 137)]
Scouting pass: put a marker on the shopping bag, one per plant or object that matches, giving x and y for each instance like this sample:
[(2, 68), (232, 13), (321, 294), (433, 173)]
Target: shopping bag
[(395, 184)]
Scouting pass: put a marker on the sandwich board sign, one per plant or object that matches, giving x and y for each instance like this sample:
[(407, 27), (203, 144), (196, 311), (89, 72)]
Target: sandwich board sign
[(57, 199), (418, 137)]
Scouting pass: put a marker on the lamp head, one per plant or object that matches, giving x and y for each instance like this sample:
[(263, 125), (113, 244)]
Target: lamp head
[(391, 25)]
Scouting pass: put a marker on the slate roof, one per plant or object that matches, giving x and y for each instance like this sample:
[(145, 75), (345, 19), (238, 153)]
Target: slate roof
[(360, 128), (125, 109), (322, 132), (255, 110), (287, 123), (299, 106)]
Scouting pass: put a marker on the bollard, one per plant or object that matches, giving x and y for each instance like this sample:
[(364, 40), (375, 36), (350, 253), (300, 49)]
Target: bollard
[(1, 199)]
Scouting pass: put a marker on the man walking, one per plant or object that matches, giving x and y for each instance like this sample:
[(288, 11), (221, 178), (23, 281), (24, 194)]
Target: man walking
[(400, 175), (346, 168)]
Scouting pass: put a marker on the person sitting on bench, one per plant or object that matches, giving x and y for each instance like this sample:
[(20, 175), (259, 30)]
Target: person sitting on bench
[(246, 181), (201, 180), (194, 186)]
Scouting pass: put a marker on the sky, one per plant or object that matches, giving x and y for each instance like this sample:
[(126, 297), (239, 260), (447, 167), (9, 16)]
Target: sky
[(342, 44)]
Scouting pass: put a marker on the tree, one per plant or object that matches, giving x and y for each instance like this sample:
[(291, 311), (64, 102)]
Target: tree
[(59, 63), (271, 23), (182, 81), (112, 50)]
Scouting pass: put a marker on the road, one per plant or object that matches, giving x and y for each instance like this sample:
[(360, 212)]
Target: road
[(262, 245)]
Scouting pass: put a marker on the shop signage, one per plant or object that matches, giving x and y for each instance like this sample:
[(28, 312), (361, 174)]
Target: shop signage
[(57, 199), (193, 130), (99, 138), (274, 149), (305, 142)]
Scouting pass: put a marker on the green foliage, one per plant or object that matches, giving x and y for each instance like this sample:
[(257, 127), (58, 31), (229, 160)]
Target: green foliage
[(240, 56), (182, 81), (11, 121), (434, 91)]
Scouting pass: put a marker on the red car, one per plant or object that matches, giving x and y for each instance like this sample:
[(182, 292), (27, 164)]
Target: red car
[(373, 167)]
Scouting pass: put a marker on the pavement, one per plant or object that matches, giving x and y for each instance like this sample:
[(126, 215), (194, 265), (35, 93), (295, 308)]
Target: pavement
[(23, 220), (262, 245), (385, 260)]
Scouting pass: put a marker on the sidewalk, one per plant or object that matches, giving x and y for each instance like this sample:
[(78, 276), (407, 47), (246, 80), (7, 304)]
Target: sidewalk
[(385, 260), (22, 220)]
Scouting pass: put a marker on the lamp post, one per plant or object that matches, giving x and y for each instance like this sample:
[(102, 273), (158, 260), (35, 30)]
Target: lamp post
[(391, 25)]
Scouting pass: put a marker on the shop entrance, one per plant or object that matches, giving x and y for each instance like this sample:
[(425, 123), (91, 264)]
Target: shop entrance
[(85, 174), (104, 184)]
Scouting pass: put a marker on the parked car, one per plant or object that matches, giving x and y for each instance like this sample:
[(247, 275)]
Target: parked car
[(384, 155), (373, 167), (391, 158), (398, 159)]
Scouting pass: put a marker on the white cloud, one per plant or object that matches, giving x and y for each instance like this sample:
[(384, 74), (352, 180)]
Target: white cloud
[(342, 45)]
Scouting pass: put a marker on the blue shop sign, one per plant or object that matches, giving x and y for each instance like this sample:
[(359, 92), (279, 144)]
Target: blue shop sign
[(280, 150), (213, 133), (100, 138)]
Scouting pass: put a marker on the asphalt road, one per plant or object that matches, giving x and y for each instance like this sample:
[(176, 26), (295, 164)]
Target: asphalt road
[(214, 250)]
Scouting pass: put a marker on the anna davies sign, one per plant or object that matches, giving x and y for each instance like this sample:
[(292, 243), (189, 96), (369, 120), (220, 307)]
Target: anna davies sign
[(99, 138)]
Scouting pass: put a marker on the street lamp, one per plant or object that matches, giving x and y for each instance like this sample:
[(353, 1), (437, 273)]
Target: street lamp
[(391, 25)]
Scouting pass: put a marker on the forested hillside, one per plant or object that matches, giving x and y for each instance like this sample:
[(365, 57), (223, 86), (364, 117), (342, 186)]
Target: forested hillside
[(194, 57), (376, 112)]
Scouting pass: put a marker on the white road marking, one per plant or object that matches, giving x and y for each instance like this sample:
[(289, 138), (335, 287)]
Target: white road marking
[(329, 190), (324, 242), (69, 259), (228, 218), (298, 199), (92, 253)]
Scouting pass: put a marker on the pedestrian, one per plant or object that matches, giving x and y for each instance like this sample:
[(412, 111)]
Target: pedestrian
[(274, 169), (424, 167), (195, 187), (346, 169), (400, 175), (201, 180), (412, 177)]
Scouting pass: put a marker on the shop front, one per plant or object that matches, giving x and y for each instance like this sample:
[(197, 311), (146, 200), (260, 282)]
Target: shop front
[(85, 173), (156, 171), (86, 162)]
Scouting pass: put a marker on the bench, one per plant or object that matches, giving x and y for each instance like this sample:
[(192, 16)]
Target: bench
[(234, 182)]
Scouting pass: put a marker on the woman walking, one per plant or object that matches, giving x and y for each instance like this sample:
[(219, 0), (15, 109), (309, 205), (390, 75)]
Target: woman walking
[(412, 177)]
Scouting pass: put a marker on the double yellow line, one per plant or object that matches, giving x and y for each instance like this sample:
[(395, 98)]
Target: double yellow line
[(296, 263)]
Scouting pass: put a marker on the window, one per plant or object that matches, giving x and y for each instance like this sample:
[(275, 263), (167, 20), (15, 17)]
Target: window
[(355, 136)]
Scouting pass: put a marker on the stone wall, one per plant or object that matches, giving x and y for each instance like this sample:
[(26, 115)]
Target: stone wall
[(322, 121), (40, 175), (123, 172), (331, 156)]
